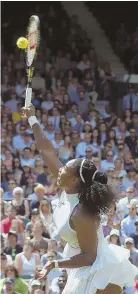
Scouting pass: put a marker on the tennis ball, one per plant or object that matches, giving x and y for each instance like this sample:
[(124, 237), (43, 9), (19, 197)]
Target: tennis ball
[(22, 43)]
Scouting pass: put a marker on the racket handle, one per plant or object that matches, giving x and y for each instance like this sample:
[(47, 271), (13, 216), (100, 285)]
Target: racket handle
[(28, 97)]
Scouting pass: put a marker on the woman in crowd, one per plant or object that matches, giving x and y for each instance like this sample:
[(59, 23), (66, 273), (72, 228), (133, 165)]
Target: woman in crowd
[(21, 204), (27, 261), (46, 217), (19, 284), (65, 152), (86, 196), (114, 237)]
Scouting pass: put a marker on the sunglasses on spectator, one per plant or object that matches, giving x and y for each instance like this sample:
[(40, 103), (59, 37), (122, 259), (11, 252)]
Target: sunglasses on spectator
[(11, 183), (136, 224), (88, 151)]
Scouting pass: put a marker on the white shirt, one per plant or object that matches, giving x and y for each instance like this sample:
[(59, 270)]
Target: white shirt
[(47, 105)]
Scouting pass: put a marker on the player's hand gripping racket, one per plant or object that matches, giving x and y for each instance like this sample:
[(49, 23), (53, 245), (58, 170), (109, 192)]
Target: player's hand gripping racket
[(33, 36)]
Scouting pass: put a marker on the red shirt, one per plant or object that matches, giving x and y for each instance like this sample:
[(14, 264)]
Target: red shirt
[(6, 224)]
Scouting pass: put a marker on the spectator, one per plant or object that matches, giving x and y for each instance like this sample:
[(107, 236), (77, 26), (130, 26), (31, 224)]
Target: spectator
[(114, 237), (27, 261), (19, 284), (129, 244), (65, 152), (38, 242), (11, 185), (13, 248), (135, 235), (34, 217), (27, 157), (108, 162), (8, 287), (21, 204), (40, 191), (6, 223), (128, 223), (3, 264), (123, 203)]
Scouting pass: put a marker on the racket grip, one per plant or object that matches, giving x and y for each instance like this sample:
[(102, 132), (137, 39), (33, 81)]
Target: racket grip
[(28, 97)]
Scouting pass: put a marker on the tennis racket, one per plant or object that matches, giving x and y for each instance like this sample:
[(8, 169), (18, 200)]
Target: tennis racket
[(33, 37)]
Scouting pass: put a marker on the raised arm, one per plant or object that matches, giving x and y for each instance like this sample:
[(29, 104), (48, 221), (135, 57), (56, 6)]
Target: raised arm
[(43, 144)]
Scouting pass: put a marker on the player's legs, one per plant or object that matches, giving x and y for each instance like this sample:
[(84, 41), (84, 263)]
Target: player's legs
[(111, 289)]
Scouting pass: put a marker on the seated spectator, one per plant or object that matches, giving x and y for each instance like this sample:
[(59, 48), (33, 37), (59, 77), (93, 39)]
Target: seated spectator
[(17, 227), (136, 186), (27, 261), (39, 196), (108, 162), (19, 284), (52, 246), (52, 255), (114, 237), (58, 284), (3, 264), (33, 285), (8, 159), (38, 242), (129, 180), (43, 177), (8, 286), (21, 204), (34, 217), (8, 194), (47, 103), (38, 83), (46, 216), (27, 157), (12, 248), (135, 235), (129, 244), (6, 223), (29, 186), (65, 152), (123, 203), (81, 147), (128, 223)]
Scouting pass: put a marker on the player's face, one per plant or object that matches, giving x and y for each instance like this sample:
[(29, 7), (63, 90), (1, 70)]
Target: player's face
[(66, 177)]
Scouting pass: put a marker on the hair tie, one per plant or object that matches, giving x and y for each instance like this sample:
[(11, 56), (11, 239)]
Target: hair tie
[(82, 178), (93, 177)]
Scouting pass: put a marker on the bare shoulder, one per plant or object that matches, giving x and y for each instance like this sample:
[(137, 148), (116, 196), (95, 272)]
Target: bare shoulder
[(84, 218)]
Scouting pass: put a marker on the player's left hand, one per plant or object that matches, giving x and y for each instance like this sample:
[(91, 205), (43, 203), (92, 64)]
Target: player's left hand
[(28, 111), (47, 268)]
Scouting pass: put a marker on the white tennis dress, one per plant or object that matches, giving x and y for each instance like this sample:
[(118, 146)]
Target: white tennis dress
[(111, 264)]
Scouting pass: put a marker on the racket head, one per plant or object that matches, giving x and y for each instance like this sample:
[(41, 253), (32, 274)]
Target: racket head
[(33, 37)]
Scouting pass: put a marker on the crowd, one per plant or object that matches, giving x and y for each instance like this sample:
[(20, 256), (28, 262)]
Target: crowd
[(127, 47), (67, 86)]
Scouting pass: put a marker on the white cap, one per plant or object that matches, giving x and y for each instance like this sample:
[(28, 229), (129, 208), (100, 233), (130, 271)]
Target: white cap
[(115, 232), (130, 240), (133, 202), (36, 283)]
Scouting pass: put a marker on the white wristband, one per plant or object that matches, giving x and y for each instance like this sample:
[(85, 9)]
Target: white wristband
[(56, 264), (32, 120)]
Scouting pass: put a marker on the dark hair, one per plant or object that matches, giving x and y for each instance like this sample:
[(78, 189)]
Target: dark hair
[(13, 268), (93, 192)]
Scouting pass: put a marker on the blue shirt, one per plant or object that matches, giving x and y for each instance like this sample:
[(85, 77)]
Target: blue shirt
[(128, 226), (81, 149), (106, 165), (126, 102)]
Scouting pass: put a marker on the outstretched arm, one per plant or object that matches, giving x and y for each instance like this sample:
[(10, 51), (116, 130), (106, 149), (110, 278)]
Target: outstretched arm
[(43, 144)]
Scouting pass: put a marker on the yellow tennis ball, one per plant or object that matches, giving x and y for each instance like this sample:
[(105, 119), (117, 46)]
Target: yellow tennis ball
[(22, 43)]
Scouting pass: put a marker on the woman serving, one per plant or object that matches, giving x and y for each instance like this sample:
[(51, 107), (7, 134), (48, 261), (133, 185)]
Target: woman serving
[(94, 266)]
